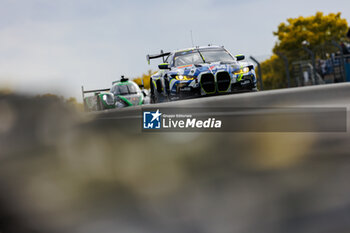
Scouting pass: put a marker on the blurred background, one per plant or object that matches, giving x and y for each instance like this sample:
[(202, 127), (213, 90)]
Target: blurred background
[(65, 171)]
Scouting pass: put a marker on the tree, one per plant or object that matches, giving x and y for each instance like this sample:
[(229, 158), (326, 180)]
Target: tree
[(317, 30), (272, 70), (75, 104), (5, 91), (71, 101), (145, 78)]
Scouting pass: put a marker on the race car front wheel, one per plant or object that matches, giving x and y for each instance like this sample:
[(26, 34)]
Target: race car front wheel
[(155, 95)]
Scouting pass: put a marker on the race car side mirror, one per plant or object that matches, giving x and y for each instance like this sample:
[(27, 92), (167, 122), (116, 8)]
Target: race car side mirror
[(164, 66), (240, 57)]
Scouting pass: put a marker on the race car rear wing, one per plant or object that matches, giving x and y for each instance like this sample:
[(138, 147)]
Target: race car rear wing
[(92, 91), (162, 54)]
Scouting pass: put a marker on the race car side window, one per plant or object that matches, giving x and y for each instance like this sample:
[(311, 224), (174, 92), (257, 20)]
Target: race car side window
[(115, 90), (133, 88)]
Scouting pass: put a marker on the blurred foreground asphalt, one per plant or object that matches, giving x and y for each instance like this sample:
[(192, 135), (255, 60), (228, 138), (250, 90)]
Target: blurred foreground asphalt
[(64, 171)]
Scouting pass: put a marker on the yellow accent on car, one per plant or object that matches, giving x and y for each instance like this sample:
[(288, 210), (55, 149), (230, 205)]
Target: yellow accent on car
[(184, 77), (242, 71), (154, 84)]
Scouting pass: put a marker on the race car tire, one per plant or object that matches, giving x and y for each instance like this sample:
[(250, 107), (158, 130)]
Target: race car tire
[(167, 86), (152, 94), (155, 95)]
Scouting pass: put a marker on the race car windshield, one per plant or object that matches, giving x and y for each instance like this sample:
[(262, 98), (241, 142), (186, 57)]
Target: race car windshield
[(216, 55), (202, 56), (122, 90), (125, 89), (187, 58)]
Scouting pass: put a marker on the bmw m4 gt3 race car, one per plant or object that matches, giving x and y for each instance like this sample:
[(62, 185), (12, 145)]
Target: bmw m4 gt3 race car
[(200, 71), (123, 93)]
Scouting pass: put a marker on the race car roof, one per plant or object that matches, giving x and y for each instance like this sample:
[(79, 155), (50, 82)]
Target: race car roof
[(198, 47)]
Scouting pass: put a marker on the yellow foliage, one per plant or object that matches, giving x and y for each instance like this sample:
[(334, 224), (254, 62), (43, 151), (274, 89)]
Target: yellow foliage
[(72, 102), (145, 78), (273, 73), (6, 91), (51, 96), (318, 30)]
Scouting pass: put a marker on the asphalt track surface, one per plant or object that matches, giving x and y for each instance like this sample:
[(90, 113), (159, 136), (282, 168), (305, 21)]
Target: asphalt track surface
[(305, 109)]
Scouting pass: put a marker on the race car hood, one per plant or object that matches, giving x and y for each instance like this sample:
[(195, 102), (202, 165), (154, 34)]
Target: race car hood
[(131, 100), (195, 70)]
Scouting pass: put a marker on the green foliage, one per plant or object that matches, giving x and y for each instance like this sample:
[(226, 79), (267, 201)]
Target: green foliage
[(318, 30)]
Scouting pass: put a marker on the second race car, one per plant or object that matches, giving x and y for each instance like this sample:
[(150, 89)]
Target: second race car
[(123, 93), (200, 71)]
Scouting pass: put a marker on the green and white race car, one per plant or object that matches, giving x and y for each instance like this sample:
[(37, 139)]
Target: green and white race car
[(123, 93)]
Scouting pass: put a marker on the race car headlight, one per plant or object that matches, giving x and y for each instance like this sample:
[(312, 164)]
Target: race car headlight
[(184, 77), (108, 99), (242, 71)]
